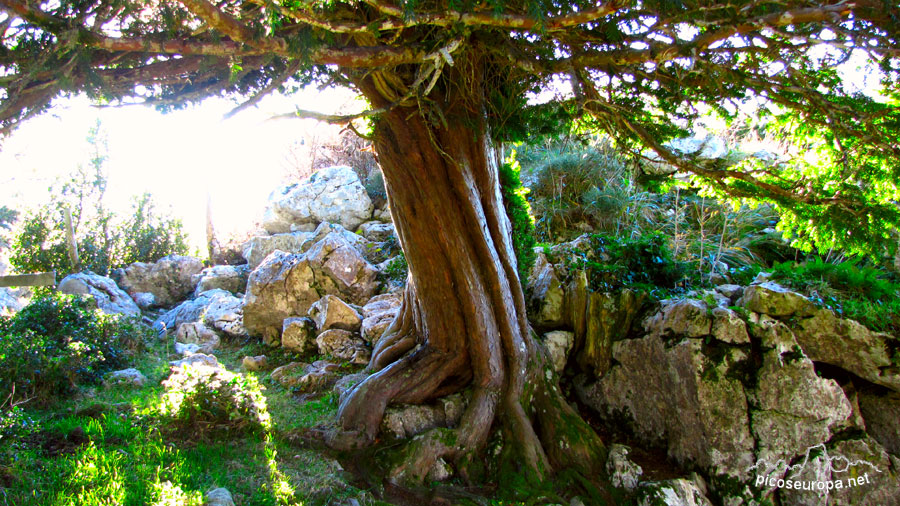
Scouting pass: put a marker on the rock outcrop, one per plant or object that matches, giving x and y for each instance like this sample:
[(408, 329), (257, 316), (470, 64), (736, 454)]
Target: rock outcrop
[(170, 279), (231, 278), (109, 297), (286, 285), (333, 194), (216, 308)]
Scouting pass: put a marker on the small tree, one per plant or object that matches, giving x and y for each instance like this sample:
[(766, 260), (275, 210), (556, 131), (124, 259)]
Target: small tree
[(105, 241)]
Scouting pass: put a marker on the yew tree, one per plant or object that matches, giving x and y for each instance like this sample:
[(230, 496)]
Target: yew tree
[(448, 82)]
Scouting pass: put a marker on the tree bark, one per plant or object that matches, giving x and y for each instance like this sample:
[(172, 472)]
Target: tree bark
[(462, 323)]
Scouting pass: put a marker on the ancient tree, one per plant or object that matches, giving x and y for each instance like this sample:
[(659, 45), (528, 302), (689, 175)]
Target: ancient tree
[(447, 82)]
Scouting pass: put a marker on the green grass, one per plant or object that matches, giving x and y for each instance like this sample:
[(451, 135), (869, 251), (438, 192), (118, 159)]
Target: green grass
[(112, 447)]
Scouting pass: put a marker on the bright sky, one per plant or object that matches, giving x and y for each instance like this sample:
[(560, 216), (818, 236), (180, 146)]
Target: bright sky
[(178, 157)]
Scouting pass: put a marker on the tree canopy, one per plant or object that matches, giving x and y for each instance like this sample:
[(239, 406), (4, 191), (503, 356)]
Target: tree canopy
[(642, 71)]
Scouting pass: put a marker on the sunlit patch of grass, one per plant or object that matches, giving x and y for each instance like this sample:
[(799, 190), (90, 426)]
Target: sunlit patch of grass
[(112, 447)]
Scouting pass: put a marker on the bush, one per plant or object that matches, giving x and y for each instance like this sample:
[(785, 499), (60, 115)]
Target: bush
[(211, 399), (611, 263), (58, 342), (519, 212), (854, 291), (584, 186), (105, 241)]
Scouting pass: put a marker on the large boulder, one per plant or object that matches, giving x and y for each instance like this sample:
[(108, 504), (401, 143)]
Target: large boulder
[(376, 231), (231, 278), (333, 194), (257, 248), (774, 300), (343, 345), (170, 279), (849, 345), (881, 411), (679, 398), (283, 286), (298, 335), (286, 285), (858, 471), (331, 312), (216, 308), (109, 297)]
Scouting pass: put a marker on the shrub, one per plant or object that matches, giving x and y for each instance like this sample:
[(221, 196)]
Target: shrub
[(211, 399), (854, 291), (105, 241), (397, 269), (519, 212), (583, 185), (613, 262), (59, 341)]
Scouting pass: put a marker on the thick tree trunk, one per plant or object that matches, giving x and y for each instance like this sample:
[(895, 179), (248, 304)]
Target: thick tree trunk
[(462, 323)]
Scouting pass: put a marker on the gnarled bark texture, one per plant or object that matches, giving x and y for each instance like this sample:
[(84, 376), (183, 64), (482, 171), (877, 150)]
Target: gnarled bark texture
[(462, 323)]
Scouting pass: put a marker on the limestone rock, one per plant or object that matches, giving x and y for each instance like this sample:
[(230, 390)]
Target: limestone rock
[(330, 312), (307, 378), (849, 345), (679, 492), (684, 318), (882, 415), (733, 292), (110, 299), (793, 408), (333, 194), (623, 473), (289, 375), (774, 300), (199, 334), (346, 383), (257, 363), (284, 285), (145, 300), (343, 345), (197, 359), (170, 279), (218, 497), (376, 231), (130, 377), (231, 278), (607, 318), (259, 247), (547, 299), (874, 475), (377, 314), (11, 301), (679, 398), (216, 308), (728, 327), (559, 343), (342, 270), (298, 335), (405, 421)]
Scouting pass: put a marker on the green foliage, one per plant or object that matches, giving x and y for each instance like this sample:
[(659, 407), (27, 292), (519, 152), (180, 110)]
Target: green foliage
[(59, 341), (519, 212), (852, 290), (105, 241), (575, 185), (211, 399), (612, 262), (397, 269)]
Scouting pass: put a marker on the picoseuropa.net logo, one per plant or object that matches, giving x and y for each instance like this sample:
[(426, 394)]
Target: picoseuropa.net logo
[(817, 472)]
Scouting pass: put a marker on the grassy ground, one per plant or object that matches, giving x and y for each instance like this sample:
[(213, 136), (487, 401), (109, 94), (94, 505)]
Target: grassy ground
[(111, 447)]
